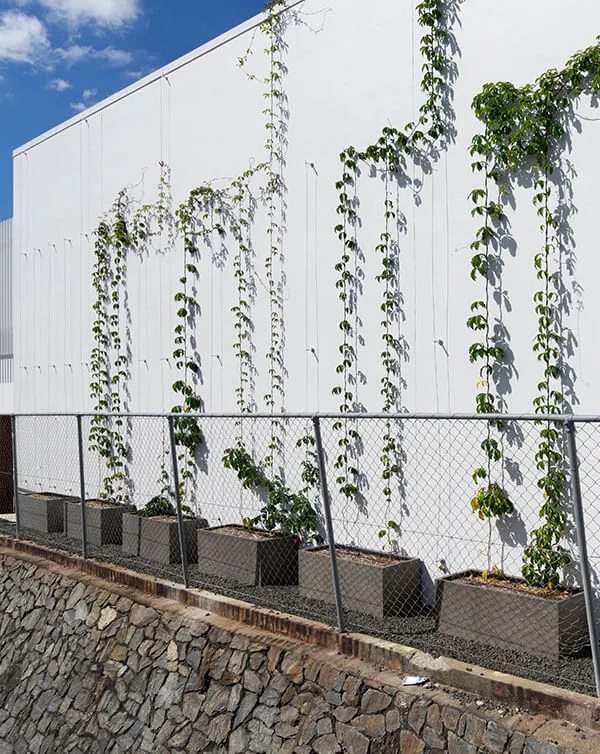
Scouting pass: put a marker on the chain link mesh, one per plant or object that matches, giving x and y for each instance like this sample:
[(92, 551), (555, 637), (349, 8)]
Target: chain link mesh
[(409, 546)]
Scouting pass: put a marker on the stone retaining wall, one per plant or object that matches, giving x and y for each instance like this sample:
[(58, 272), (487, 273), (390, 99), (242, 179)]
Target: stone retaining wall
[(88, 666)]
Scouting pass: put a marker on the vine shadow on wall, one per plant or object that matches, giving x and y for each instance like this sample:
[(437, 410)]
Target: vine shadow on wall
[(512, 529), (406, 180)]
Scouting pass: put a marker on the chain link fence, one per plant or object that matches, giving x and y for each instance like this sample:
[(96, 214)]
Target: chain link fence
[(364, 522)]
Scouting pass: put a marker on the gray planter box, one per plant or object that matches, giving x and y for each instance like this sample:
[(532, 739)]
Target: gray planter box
[(380, 586), (158, 538), (261, 559), (511, 619), (104, 522), (43, 511)]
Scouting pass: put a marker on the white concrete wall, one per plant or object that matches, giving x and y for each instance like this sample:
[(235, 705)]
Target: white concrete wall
[(354, 66), (6, 319)]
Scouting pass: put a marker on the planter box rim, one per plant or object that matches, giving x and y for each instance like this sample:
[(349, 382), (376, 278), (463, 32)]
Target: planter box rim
[(241, 527), (96, 503), (392, 557), (49, 496), (462, 576), (170, 519)]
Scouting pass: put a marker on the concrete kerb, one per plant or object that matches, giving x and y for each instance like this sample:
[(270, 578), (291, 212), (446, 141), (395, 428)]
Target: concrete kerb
[(579, 709)]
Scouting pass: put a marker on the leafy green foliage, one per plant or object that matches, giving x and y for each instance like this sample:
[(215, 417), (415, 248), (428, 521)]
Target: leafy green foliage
[(274, 199), (158, 506), (388, 154), (108, 360), (524, 130), (491, 501), (286, 511), (116, 235)]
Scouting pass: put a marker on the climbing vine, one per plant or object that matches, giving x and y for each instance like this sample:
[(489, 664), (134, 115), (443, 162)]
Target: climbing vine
[(490, 500), (288, 510), (198, 218), (388, 155), (239, 224), (346, 470), (273, 28), (525, 129), (108, 360), (285, 510)]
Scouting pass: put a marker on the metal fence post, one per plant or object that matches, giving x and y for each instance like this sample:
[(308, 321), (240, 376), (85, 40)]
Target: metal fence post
[(15, 477), (182, 547), (583, 553), (84, 547), (330, 535)]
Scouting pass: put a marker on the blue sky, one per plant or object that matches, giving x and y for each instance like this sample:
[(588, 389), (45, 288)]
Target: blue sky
[(59, 56)]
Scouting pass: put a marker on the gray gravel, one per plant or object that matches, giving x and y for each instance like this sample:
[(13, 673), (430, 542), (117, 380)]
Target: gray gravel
[(419, 631)]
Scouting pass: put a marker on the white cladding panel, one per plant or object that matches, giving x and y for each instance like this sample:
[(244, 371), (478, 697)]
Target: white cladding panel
[(353, 68), (6, 318)]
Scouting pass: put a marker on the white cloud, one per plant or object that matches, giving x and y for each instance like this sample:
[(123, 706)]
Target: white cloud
[(86, 100), (112, 13), (116, 57), (23, 38), (59, 85), (77, 53)]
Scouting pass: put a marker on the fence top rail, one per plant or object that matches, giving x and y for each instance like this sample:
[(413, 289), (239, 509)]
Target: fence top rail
[(558, 418)]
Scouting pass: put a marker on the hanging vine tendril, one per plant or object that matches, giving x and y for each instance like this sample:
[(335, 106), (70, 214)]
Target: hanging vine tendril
[(108, 361), (389, 155), (524, 133)]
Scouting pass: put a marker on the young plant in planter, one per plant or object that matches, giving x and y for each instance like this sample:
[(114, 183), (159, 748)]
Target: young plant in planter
[(534, 614), (490, 502), (508, 613), (530, 615), (526, 132), (153, 533), (264, 549)]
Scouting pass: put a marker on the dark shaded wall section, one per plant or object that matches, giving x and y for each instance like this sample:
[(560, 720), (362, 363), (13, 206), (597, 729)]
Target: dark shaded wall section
[(6, 466)]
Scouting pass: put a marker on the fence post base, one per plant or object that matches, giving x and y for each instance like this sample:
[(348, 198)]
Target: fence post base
[(330, 535), (582, 547), (182, 546)]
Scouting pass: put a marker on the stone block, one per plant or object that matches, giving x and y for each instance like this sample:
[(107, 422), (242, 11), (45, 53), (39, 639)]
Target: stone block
[(458, 745), (535, 746), (374, 701), (410, 744), (351, 740), (496, 737)]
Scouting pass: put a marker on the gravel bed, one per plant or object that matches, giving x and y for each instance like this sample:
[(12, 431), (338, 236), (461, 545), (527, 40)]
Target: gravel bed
[(418, 631)]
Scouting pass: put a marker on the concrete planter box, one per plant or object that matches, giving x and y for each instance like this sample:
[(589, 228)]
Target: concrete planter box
[(512, 619), (254, 558), (157, 538), (370, 582), (104, 522), (43, 511)]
